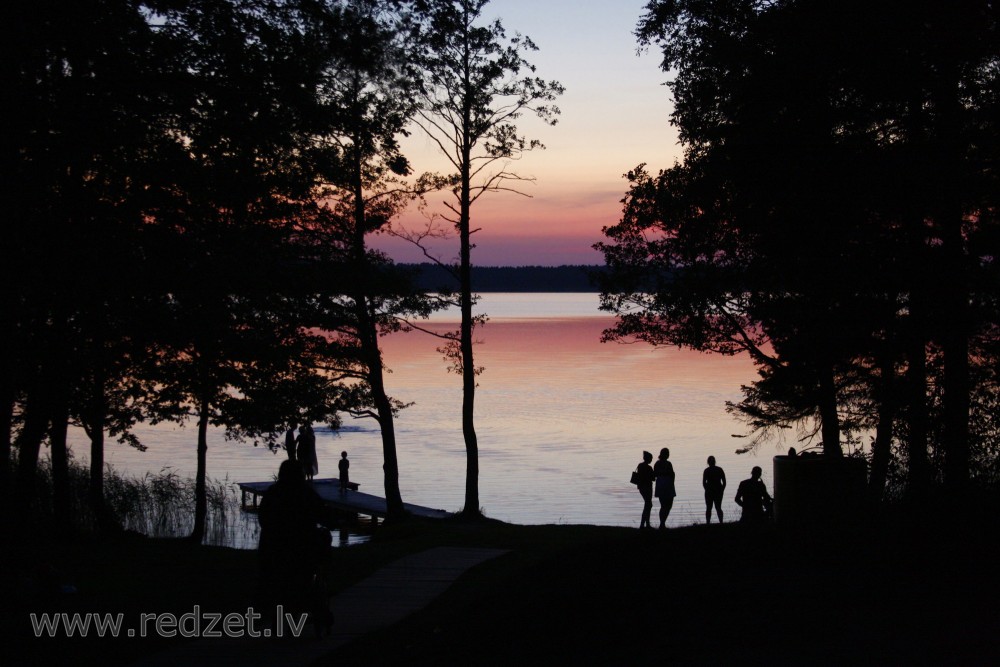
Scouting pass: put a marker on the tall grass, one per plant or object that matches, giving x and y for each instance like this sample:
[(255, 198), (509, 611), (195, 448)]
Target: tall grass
[(155, 504)]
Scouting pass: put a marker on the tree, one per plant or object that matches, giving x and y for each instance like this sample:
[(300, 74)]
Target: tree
[(112, 390), (84, 131), (472, 95), (367, 94), (158, 155), (823, 156), (242, 108)]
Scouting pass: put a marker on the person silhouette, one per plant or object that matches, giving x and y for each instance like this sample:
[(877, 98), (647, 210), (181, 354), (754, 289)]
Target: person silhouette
[(290, 442), (645, 486), (344, 465), (292, 547), (665, 491), (714, 482), (752, 496), (307, 451)]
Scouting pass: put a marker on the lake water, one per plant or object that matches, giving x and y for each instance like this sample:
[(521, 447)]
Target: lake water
[(562, 420)]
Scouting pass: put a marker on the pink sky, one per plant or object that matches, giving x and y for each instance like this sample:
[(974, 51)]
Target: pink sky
[(614, 116)]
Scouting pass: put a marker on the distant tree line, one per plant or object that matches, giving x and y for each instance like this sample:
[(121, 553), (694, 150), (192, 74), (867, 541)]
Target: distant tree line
[(835, 217), (189, 189)]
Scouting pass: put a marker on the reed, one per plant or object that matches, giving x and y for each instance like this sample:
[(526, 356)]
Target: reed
[(157, 504)]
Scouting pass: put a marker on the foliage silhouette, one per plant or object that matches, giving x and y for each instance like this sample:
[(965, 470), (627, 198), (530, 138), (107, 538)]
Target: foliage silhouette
[(834, 167)]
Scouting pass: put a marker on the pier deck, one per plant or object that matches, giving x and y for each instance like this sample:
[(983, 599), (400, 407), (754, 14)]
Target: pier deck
[(349, 502)]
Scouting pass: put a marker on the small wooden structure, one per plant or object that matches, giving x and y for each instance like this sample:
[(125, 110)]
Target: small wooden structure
[(350, 503)]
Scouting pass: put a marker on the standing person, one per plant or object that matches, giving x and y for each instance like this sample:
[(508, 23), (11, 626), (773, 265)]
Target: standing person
[(752, 496), (714, 481), (664, 472), (290, 443), (293, 548), (307, 451), (344, 465), (645, 475)]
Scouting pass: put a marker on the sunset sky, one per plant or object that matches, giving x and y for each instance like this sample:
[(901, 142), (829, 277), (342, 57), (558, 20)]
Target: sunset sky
[(614, 116)]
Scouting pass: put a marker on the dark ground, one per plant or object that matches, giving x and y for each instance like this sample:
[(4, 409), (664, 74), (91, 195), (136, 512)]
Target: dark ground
[(715, 595), (916, 592)]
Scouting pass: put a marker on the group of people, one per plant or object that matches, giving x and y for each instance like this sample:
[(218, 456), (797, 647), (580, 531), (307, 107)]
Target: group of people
[(302, 448), (663, 474), (658, 480)]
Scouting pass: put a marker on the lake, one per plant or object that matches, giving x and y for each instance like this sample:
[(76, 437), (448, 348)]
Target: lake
[(562, 420)]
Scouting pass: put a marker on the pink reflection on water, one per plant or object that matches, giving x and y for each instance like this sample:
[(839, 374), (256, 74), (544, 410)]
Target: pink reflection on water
[(562, 418), (513, 349)]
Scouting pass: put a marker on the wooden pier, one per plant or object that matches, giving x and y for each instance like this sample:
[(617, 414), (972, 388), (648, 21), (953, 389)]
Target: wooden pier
[(351, 503)]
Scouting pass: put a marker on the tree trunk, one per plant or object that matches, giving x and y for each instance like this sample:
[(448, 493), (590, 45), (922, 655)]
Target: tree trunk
[(29, 443), (95, 492), (954, 331), (916, 335), (829, 416), (882, 448), (916, 381), (10, 352), (200, 493), (471, 508), (6, 448), (955, 345), (956, 327), (61, 507), (390, 466), (368, 335), (368, 338)]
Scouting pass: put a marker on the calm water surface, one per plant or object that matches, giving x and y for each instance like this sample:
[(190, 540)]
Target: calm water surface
[(562, 420)]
